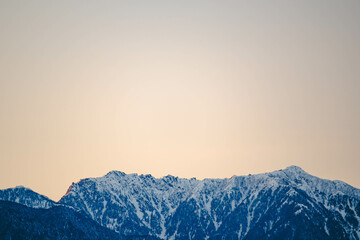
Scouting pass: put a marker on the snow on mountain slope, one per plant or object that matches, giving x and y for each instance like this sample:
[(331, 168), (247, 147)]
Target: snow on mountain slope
[(26, 196), (275, 204), (125, 202), (314, 185)]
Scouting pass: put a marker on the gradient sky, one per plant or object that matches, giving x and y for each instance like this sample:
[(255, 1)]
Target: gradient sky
[(187, 88)]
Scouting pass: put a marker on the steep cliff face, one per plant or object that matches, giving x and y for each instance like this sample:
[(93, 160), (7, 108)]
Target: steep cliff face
[(286, 204)]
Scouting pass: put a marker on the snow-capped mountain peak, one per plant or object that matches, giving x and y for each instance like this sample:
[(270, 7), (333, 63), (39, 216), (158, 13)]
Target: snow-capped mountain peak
[(26, 196), (172, 207), (284, 204)]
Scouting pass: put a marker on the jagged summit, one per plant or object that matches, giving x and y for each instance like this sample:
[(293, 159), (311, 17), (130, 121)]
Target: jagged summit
[(293, 176), (241, 207), (294, 168), (170, 207), (115, 173), (290, 169)]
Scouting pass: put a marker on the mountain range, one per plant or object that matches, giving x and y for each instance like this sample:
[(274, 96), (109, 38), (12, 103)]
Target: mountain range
[(284, 204)]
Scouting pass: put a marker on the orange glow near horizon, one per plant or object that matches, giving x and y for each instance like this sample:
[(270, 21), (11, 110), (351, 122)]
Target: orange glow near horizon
[(202, 89)]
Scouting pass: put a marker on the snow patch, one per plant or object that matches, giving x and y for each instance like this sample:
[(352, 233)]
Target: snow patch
[(325, 228)]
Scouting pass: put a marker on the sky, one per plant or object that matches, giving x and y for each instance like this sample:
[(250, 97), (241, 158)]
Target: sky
[(205, 89)]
